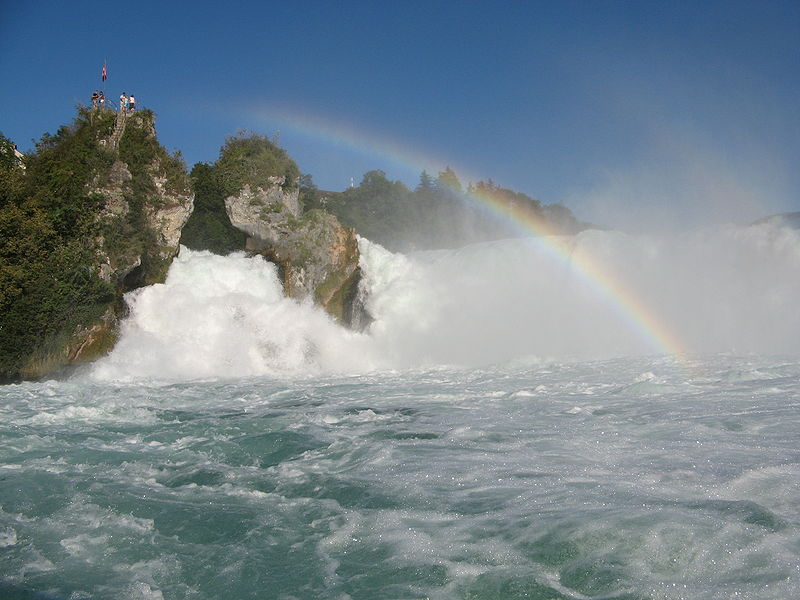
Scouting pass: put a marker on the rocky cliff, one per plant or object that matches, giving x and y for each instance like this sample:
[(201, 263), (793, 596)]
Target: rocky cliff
[(97, 211), (316, 256), (252, 199), (147, 196)]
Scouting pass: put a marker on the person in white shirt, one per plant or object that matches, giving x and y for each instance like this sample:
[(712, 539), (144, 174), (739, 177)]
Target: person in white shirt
[(123, 103), (132, 103)]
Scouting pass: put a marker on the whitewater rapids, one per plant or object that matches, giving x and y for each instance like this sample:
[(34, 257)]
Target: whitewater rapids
[(730, 290), (501, 431)]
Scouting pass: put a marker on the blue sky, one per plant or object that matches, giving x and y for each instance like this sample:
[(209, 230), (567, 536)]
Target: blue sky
[(633, 114)]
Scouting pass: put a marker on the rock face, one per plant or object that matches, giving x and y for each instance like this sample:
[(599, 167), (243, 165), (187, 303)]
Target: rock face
[(264, 214), (167, 216), (316, 256), (117, 179), (144, 193)]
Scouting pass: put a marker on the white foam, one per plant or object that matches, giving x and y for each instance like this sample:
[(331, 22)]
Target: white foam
[(225, 317), (91, 414), (83, 543), (8, 537), (143, 591)]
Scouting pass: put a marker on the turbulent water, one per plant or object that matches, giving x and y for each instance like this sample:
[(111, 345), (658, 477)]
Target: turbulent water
[(501, 431)]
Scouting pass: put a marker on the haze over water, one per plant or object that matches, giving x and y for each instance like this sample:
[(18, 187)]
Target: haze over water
[(502, 430)]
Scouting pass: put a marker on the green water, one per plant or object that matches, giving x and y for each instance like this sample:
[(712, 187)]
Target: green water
[(617, 479)]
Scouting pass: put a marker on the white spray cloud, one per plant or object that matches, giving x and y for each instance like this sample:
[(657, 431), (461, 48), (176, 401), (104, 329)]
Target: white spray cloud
[(681, 146)]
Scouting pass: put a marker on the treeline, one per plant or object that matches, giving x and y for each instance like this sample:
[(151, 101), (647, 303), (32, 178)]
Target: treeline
[(439, 212)]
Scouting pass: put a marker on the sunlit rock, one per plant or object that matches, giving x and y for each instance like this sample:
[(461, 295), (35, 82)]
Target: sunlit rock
[(317, 257)]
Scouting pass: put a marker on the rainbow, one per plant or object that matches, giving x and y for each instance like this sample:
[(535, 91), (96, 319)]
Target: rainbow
[(607, 286), (345, 135)]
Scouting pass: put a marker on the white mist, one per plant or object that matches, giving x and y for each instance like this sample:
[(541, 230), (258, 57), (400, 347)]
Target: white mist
[(722, 290)]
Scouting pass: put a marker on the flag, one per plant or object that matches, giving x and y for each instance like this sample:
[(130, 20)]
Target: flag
[(104, 76)]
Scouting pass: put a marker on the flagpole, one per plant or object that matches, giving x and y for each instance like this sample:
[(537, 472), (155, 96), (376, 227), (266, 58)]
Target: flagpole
[(104, 76)]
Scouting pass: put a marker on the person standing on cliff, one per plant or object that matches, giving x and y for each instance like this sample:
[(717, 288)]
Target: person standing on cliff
[(95, 98), (132, 103), (123, 103), (102, 99)]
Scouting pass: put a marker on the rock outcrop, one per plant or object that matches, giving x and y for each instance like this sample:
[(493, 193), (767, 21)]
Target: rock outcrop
[(316, 256), (167, 216), (135, 199), (264, 214)]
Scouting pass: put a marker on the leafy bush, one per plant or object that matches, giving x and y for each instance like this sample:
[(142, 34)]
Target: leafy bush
[(252, 159)]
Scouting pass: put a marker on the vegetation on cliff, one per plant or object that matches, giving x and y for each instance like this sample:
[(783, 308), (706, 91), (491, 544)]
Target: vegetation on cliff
[(47, 242), (245, 159), (156, 178), (252, 159), (58, 230)]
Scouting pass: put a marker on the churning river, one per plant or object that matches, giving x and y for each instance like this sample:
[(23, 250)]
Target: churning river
[(501, 431)]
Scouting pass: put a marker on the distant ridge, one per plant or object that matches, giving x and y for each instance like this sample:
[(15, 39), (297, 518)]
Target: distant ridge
[(791, 219)]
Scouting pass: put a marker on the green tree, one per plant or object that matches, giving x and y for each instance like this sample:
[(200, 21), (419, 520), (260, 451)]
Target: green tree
[(208, 227), (448, 180), (426, 183), (309, 193), (380, 209)]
